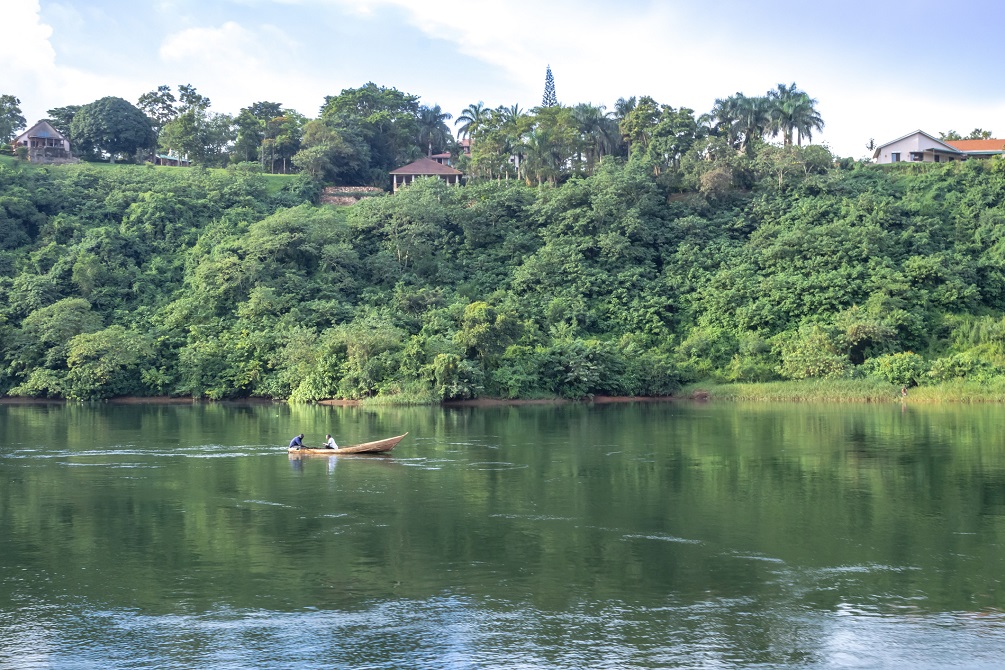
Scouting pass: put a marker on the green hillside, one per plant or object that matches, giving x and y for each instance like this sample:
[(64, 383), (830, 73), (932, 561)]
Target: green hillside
[(219, 284)]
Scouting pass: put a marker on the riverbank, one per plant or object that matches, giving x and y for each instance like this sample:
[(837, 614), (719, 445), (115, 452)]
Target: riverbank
[(849, 390), (805, 390)]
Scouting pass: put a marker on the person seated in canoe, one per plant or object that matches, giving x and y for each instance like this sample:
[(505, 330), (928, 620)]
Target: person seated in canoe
[(297, 442), (330, 442)]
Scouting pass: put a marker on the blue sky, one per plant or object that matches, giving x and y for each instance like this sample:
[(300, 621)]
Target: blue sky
[(877, 69)]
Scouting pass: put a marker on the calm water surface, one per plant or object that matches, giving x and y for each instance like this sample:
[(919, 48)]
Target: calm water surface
[(615, 536)]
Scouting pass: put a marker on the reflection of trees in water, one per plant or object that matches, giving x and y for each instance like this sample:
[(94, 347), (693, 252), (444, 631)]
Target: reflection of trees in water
[(644, 501)]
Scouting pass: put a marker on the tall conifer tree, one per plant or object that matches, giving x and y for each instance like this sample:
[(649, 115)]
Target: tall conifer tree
[(550, 99)]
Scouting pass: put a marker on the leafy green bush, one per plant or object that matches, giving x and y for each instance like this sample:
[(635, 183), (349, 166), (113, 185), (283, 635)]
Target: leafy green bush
[(904, 368), (811, 352), (965, 365), (578, 368), (519, 373), (455, 378)]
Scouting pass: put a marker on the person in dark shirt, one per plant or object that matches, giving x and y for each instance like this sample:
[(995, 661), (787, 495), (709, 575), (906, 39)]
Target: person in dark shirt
[(297, 442)]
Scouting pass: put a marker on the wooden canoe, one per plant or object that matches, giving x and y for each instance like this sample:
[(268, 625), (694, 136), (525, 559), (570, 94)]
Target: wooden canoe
[(375, 447)]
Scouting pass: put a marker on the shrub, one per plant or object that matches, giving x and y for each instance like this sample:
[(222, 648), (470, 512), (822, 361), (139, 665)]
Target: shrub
[(961, 366), (904, 368), (455, 378), (519, 373), (811, 352)]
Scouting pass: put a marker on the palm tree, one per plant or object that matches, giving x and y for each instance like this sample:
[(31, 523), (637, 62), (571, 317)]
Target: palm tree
[(725, 117), (432, 129), (472, 117), (513, 126), (793, 112), (754, 118), (781, 106), (538, 148), (597, 130), (511, 114), (622, 107), (806, 119)]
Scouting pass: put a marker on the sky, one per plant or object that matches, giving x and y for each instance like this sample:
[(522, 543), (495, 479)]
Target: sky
[(878, 69)]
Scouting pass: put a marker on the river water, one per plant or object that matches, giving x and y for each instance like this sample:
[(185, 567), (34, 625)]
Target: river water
[(639, 535)]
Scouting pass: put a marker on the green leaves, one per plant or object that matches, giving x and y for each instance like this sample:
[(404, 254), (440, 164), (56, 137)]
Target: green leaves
[(113, 126), (11, 118), (132, 281)]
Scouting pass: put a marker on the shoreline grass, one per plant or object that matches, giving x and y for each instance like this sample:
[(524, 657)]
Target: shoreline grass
[(848, 390), (807, 390), (835, 391)]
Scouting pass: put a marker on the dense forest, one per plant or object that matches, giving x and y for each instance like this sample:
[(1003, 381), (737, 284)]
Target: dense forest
[(772, 262)]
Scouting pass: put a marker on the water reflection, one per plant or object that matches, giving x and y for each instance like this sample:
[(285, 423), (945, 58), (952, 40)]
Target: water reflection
[(641, 535)]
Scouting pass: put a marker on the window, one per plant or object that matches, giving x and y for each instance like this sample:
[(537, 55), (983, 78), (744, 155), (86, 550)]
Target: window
[(917, 156), (938, 158), (895, 158)]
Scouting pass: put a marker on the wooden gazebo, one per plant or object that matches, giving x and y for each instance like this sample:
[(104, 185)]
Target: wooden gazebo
[(424, 167)]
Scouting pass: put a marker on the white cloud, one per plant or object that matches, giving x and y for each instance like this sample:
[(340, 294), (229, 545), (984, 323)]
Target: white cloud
[(25, 46), (674, 51), (208, 46), (236, 65), (601, 51), (31, 70)]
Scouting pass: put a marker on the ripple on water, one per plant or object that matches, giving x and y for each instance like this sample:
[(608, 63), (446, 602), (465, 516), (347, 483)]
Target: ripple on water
[(660, 538), (755, 557), (532, 517), (497, 465), (460, 631), (268, 503), (117, 466)]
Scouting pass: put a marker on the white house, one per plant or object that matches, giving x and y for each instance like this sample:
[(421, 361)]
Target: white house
[(917, 147), (920, 147), (45, 144)]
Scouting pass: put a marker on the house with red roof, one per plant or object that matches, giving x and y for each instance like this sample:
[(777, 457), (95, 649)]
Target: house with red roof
[(979, 148), (920, 147), (446, 158)]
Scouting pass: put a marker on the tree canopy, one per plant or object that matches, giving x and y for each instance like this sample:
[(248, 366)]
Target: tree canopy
[(774, 263), (111, 125), (11, 118)]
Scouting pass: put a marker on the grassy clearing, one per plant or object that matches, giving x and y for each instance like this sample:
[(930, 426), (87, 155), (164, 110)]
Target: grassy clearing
[(273, 182)]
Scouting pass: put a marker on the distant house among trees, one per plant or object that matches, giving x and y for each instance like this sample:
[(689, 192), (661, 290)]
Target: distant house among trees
[(446, 158), (173, 159), (424, 167), (44, 144), (920, 147)]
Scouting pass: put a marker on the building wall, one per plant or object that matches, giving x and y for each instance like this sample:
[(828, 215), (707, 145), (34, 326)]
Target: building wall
[(912, 144)]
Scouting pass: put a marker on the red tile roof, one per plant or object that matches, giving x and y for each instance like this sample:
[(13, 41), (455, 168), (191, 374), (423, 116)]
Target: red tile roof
[(426, 166), (977, 145)]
